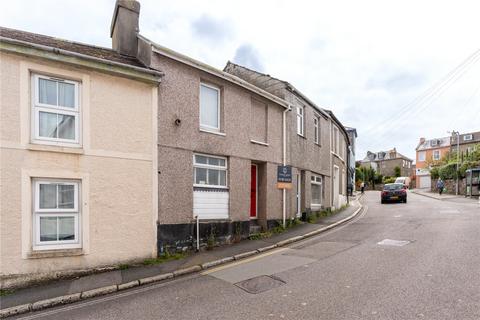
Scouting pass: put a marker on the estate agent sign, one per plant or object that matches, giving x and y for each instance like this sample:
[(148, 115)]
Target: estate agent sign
[(284, 177)]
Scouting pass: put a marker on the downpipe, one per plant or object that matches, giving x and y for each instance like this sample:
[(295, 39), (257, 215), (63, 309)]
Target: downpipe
[(284, 162), (198, 232)]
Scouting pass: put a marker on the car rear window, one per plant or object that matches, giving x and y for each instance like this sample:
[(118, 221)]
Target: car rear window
[(393, 187)]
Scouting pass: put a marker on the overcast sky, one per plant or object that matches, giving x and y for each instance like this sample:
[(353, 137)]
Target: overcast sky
[(371, 62)]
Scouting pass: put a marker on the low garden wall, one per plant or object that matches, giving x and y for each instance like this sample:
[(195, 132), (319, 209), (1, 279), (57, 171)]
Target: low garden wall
[(450, 185)]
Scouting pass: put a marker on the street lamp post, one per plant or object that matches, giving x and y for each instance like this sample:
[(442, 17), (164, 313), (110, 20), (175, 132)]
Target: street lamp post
[(458, 156)]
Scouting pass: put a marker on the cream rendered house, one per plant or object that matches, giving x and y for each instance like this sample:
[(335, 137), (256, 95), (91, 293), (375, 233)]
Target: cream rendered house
[(78, 160)]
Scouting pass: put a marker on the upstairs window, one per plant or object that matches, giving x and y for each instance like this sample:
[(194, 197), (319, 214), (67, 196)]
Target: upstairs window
[(56, 116), (300, 120), (210, 171), (468, 137), (421, 156), (316, 130), (436, 155), (209, 108)]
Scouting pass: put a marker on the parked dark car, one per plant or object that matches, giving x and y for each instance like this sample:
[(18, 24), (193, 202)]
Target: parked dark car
[(394, 192)]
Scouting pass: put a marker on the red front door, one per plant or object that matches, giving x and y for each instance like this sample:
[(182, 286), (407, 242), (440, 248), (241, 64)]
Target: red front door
[(253, 193)]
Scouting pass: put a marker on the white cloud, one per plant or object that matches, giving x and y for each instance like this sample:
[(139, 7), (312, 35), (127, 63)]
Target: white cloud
[(365, 60)]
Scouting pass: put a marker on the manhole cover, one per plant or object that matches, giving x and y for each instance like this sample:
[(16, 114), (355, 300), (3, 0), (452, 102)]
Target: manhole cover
[(395, 243), (260, 284)]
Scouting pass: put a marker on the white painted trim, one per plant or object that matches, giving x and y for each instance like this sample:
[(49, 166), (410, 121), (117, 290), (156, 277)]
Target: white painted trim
[(213, 167), (212, 132), (260, 143)]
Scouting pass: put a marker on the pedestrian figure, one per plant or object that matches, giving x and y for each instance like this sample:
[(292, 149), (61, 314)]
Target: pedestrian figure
[(440, 186), (362, 186)]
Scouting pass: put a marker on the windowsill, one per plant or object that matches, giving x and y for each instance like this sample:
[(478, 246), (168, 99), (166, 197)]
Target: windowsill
[(260, 143), (318, 144), (51, 148), (301, 136), (213, 132), (207, 220), (41, 254)]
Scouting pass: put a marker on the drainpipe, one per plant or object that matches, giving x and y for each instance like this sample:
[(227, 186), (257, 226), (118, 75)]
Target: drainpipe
[(198, 233), (284, 161)]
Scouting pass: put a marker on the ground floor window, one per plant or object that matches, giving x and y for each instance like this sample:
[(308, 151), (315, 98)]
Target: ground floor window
[(56, 214), (210, 188), (316, 187)]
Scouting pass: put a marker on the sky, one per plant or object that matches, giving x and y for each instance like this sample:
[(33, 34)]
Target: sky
[(394, 70)]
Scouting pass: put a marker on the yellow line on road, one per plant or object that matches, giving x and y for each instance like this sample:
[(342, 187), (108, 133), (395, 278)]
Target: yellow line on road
[(233, 264)]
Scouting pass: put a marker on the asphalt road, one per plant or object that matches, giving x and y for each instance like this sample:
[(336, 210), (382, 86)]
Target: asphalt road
[(430, 271)]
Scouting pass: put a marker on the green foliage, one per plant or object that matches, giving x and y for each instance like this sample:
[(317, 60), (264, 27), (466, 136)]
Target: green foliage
[(5, 292), (398, 171), (123, 266), (389, 180), (446, 168), (164, 258), (378, 178)]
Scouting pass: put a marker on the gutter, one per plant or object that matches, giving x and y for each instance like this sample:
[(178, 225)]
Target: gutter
[(153, 75)]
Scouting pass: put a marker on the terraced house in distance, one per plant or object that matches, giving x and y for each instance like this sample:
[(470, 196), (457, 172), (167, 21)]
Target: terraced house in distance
[(220, 141), (78, 158), (317, 145)]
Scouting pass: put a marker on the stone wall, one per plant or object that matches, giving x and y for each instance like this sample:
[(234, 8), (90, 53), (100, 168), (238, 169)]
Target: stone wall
[(450, 184)]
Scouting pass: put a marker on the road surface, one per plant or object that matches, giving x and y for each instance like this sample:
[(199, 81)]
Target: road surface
[(419, 260)]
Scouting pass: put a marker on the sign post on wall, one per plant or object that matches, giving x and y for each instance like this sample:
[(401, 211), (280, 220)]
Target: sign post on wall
[(284, 177)]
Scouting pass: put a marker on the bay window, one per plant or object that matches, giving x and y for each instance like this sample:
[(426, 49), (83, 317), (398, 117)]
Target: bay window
[(55, 112), (56, 214)]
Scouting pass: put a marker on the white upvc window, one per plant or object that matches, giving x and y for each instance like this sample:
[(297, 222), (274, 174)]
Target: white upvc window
[(468, 137), (316, 188), (421, 156), (436, 154), (56, 214), (336, 140), (316, 129), (300, 120), (209, 108), (55, 111), (209, 171)]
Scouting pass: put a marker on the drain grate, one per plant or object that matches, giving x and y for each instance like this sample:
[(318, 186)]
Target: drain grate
[(260, 284), (394, 243)]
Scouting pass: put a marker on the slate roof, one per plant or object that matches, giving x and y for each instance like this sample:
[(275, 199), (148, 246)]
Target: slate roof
[(377, 156), (441, 143), (89, 50)]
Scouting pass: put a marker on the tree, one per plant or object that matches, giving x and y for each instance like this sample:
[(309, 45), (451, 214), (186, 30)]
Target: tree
[(398, 171)]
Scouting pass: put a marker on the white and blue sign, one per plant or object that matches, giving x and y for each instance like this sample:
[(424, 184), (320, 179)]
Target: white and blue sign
[(284, 174)]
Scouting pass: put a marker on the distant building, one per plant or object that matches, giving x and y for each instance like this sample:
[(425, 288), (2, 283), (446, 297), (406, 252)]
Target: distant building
[(467, 144), (429, 151), (385, 162)]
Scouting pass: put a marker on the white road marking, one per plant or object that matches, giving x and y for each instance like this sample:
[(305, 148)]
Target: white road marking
[(394, 243)]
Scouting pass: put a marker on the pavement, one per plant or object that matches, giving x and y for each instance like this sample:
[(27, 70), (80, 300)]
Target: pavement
[(445, 196), (73, 289), (393, 261)]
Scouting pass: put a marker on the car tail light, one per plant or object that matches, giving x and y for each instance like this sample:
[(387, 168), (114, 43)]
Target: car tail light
[(403, 191), (384, 193)]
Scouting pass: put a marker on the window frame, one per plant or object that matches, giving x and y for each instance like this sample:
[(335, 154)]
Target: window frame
[(434, 157), (314, 179), (300, 117), (208, 166), (204, 126), (316, 129), (38, 213), (469, 136), (422, 158), (38, 107)]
